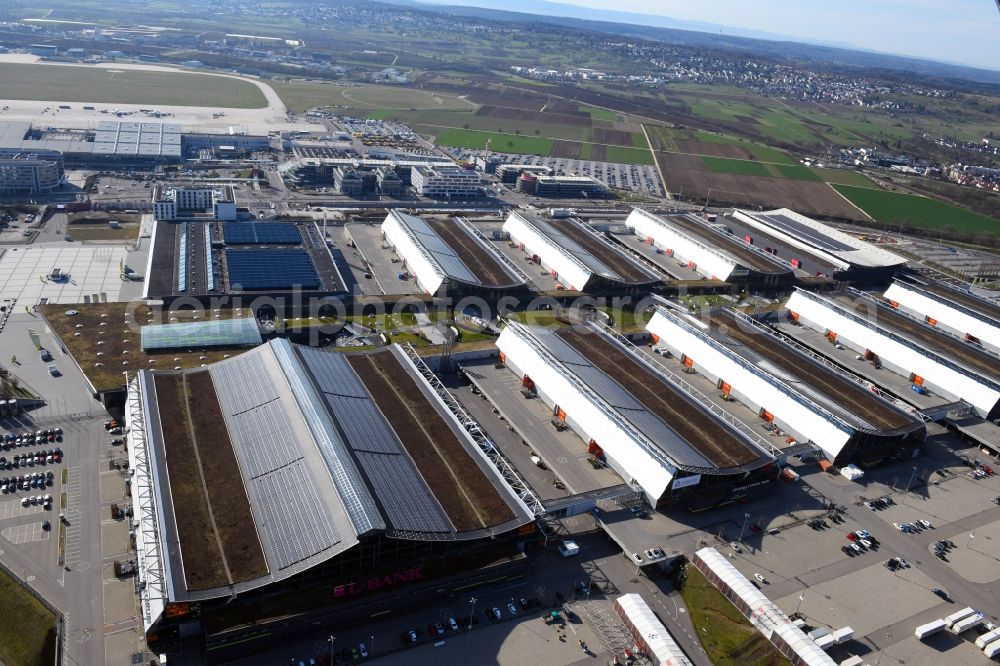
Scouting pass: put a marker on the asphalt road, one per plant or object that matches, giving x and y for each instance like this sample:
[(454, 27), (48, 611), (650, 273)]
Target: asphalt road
[(913, 548), (77, 590)]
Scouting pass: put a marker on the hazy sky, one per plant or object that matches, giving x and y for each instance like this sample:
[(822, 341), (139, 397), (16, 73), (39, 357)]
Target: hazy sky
[(964, 31)]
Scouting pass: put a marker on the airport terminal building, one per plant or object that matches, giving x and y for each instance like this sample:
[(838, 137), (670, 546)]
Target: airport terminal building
[(334, 480)]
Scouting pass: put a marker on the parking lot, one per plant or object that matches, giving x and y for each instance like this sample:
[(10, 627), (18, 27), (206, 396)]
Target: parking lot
[(807, 570), (371, 256), (638, 178)]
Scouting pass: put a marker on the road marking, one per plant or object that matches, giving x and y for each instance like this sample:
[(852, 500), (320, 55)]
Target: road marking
[(19, 534)]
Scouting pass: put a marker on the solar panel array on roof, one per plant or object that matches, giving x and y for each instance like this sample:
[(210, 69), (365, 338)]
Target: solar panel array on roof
[(215, 333), (255, 270), (295, 531), (402, 492), (799, 230), (263, 233), (280, 483)]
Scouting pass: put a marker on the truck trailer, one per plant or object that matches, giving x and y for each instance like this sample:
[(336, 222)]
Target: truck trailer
[(992, 649), (929, 629), (958, 616), (968, 623), (988, 638)]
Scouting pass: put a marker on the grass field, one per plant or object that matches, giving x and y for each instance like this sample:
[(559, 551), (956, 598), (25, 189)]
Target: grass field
[(28, 630), (728, 638), (897, 208), (624, 155), (598, 114), (796, 172), (110, 86), (508, 143), (743, 167), (303, 95), (760, 152), (844, 177)]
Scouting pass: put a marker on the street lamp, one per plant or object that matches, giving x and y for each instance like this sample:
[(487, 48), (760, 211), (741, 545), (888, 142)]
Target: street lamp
[(746, 519), (910, 483), (802, 597), (331, 641), (473, 614)]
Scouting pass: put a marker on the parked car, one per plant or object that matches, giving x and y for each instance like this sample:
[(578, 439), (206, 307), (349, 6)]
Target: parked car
[(497, 615)]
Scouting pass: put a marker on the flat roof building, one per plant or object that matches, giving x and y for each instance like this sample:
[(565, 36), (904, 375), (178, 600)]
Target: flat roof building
[(32, 172), (190, 203), (445, 182), (449, 255), (806, 398), (569, 186), (925, 355), (652, 430), (714, 254), (577, 257)]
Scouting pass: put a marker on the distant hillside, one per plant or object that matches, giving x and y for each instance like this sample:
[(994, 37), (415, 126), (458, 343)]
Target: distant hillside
[(702, 35)]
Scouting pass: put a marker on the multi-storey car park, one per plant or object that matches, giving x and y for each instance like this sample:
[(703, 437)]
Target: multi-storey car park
[(200, 260), (579, 258), (312, 479), (450, 255), (928, 357), (656, 431), (710, 251), (956, 310), (806, 398), (814, 248)]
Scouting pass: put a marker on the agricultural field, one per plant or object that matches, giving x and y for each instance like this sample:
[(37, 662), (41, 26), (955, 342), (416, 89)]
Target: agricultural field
[(796, 172), (725, 165), (908, 209), (59, 83), (687, 176), (844, 177)]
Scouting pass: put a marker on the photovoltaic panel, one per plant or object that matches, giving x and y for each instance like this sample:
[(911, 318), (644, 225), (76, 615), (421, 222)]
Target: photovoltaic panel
[(263, 233), (255, 270)]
